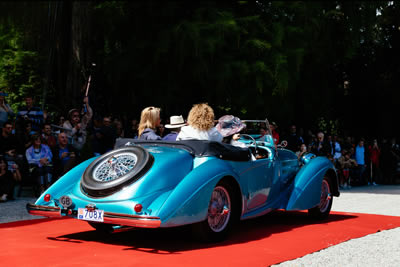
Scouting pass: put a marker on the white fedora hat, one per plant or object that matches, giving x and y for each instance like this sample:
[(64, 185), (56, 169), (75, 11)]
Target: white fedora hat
[(176, 122)]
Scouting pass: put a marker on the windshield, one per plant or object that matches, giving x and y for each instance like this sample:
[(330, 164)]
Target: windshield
[(259, 130)]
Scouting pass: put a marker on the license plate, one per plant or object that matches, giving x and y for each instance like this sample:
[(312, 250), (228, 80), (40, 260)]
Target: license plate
[(90, 215)]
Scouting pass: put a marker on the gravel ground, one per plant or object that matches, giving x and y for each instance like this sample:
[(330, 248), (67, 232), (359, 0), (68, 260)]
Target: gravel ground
[(379, 249)]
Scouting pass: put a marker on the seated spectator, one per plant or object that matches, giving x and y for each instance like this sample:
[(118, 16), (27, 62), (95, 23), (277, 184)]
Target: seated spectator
[(11, 150), (161, 130), (201, 125), (119, 128), (77, 126), (302, 151), (9, 176), (175, 125), (132, 129), (149, 121), (105, 136), (347, 167), (5, 109), (263, 133), (294, 140), (32, 114), (275, 134), (322, 148), (24, 135), (60, 123), (229, 127), (64, 156), (47, 137), (39, 157), (8, 141)]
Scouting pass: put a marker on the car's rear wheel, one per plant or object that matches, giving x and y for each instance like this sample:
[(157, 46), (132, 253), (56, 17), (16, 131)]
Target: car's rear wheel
[(221, 214), (322, 210), (114, 170)]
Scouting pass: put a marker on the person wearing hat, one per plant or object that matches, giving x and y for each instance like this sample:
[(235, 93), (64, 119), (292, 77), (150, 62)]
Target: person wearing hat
[(176, 122), (76, 127), (229, 127), (5, 109)]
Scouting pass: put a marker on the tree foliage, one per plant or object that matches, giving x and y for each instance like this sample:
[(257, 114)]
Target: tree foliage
[(286, 60)]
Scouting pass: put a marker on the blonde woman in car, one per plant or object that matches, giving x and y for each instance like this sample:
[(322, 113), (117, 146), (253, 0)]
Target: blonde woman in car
[(149, 121)]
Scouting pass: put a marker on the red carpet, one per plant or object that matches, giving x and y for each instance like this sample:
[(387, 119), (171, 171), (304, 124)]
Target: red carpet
[(274, 238)]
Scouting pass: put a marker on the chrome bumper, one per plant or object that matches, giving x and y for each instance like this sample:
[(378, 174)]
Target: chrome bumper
[(109, 217)]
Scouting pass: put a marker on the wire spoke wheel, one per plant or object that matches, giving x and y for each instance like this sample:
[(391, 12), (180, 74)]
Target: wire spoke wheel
[(115, 167), (219, 209), (321, 211), (325, 196)]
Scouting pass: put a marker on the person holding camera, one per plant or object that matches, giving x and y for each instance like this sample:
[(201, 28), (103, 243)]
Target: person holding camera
[(76, 126)]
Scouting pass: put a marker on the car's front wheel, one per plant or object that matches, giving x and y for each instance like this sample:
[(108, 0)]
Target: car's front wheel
[(220, 215), (322, 210)]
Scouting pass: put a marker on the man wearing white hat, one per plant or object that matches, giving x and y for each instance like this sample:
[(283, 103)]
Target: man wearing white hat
[(176, 122)]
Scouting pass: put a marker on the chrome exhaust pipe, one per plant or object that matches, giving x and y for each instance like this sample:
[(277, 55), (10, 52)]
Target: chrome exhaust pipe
[(120, 228)]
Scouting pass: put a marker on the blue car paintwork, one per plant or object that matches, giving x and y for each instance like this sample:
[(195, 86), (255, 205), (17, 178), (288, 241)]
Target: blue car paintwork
[(307, 184), (178, 186)]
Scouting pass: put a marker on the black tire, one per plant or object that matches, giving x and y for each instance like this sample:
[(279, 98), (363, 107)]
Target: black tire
[(97, 184), (207, 230), (322, 210)]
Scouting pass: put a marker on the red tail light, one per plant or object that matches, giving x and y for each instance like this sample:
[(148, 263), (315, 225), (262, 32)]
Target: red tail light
[(138, 207), (47, 197)]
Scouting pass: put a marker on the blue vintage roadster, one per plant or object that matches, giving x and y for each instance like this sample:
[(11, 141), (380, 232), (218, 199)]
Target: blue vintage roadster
[(209, 185)]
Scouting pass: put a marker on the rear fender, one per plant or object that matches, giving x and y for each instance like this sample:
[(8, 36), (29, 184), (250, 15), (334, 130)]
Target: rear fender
[(188, 202), (65, 183), (306, 191)]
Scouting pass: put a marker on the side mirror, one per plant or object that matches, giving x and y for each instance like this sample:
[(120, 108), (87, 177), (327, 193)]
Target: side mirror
[(307, 157)]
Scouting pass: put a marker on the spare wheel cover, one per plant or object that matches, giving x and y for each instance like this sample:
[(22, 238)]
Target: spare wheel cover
[(115, 169)]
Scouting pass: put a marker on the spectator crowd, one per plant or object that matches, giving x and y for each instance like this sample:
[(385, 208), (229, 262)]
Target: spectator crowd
[(37, 150)]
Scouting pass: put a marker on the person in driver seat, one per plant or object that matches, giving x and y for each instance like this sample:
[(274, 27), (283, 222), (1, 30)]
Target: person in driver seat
[(229, 127)]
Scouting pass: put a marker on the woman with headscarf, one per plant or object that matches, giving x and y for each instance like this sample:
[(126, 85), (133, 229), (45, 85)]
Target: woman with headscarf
[(229, 127)]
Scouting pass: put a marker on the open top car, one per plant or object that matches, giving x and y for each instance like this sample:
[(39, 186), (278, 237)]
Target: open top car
[(209, 185)]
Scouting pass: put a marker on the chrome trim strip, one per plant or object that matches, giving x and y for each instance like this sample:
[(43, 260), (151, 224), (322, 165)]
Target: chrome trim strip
[(109, 217), (45, 211), (132, 220)]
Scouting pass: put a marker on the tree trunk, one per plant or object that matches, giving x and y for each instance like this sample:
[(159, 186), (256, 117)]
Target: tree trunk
[(80, 53)]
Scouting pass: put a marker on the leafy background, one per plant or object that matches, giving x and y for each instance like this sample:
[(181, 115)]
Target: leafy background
[(331, 65)]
